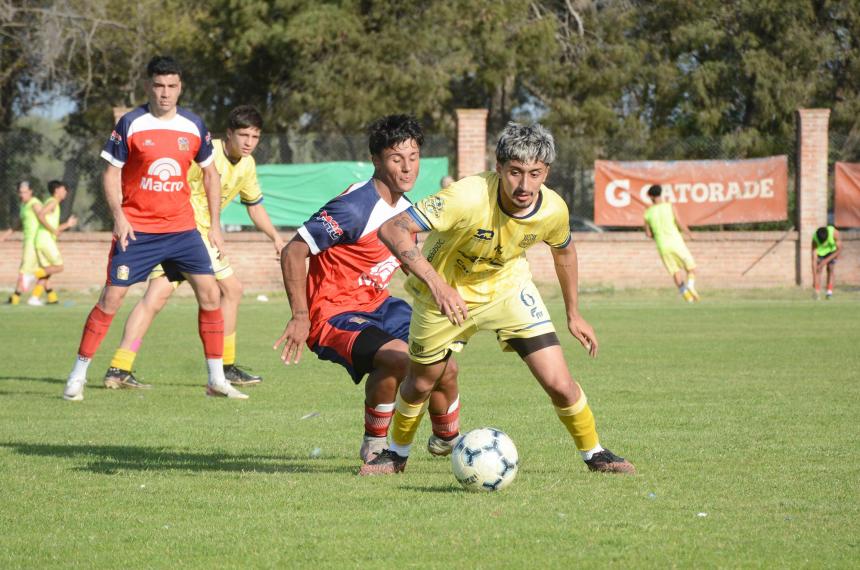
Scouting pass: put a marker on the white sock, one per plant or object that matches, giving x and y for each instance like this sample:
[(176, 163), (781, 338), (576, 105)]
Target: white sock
[(691, 282), (587, 455), (401, 450), (216, 371), (79, 370)]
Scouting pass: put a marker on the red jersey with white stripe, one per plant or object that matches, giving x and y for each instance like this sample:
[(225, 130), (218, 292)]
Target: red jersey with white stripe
[(350, 269), (155, 155)]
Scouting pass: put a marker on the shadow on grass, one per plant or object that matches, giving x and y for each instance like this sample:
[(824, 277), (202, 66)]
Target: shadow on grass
[(34, 379), (111, 459), (443, 489)]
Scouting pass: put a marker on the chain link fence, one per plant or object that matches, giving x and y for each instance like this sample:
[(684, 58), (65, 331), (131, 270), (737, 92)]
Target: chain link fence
[(39, 155)]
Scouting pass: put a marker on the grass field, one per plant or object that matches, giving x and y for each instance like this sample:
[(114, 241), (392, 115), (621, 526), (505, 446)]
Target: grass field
[(740, 413)]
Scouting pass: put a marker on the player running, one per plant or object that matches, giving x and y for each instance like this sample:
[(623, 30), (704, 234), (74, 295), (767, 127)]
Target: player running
[(146, 186), (47, 253), (29, 220), (473, 276), (826, 247), (662, 223), (340, 304), (234, 161)]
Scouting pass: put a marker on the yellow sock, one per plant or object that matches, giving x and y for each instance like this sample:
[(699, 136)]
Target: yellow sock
[(38, 290), (230, 349), (14, 299), (123, 359), (407, 417), (40, 273), (579, 422), (52, 296)]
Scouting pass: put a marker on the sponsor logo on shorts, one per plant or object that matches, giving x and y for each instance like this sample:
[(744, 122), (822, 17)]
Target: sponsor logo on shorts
[(122, 272), (357, 320), (148, 142), (158, 176), (416, 348), (330, 224), (183, 143), (528, 241), (484, 235)]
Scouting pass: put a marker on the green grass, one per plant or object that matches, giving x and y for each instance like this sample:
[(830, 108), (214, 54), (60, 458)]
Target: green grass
[(744, 407)]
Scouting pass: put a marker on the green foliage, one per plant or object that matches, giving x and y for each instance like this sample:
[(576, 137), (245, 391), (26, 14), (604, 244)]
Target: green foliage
[(626, 76)]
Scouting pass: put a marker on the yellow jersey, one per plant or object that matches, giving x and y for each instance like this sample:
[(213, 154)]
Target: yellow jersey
[(53, 218), (239, 178), (477, 247)]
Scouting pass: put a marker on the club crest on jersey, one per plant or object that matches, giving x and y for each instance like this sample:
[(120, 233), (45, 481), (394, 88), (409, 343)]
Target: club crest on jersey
[(330, 224), (115, 137), (434, 205), (158, 176), (528, 241), (122, 273), (484, 235), (183, 143)]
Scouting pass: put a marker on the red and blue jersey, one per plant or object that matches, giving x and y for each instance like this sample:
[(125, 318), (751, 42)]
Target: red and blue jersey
[(350, 269), (155, 156)]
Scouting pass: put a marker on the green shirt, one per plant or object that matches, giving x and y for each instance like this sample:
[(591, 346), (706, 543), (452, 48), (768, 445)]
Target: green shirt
[(52, 218), (827, 246), (661, 220), (29, 221)]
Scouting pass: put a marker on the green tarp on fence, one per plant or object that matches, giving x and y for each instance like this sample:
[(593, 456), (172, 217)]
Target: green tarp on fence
[(292, 192)]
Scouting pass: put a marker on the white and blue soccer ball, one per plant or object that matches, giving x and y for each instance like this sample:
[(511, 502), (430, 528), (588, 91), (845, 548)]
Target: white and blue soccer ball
[(485, 459)]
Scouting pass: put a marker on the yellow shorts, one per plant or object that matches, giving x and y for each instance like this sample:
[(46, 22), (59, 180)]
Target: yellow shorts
[(48, 253), (29, 259), (676, 257), (221, 266), (521, 314)]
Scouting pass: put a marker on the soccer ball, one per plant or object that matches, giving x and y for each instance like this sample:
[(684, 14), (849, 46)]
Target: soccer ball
[(485, 459)]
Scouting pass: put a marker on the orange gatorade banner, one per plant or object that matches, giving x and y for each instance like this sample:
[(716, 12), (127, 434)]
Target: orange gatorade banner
[(704, 191), (846, 199)]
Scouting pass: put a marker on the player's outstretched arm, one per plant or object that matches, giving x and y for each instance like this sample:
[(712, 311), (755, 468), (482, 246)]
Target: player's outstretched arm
[(398, 235), (112, 182), (294, 270), (566, 263), (262, 222)]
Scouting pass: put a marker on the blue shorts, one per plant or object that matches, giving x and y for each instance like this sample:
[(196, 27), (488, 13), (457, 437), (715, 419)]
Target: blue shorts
[(352, 339), (177, 253)]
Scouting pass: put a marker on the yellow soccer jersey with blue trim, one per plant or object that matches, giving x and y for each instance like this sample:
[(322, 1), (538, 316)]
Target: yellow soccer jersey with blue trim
[(476, 246), (239, 178)]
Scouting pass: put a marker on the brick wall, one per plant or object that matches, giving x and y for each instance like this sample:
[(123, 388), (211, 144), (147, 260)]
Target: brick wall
[(471, 141), (811, 183), (621, 260)]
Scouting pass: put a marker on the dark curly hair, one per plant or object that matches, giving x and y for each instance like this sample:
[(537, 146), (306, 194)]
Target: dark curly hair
[(392, 130)]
